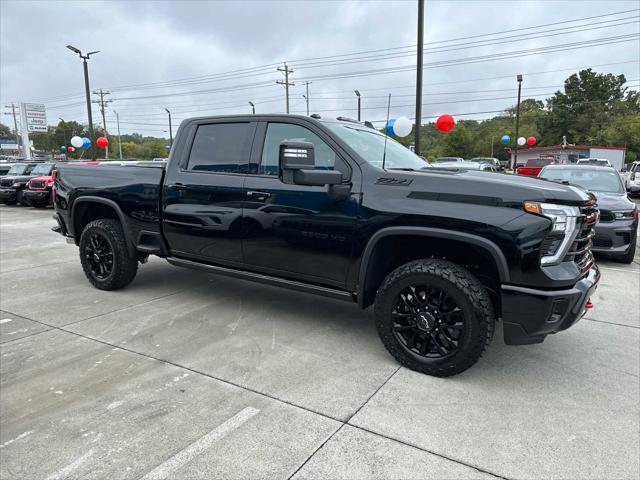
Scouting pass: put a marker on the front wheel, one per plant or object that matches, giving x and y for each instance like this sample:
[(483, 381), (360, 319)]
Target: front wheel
[(105, 256), (434, 317)]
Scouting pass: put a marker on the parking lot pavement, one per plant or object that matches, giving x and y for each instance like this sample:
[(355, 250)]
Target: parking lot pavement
[(189, 375)]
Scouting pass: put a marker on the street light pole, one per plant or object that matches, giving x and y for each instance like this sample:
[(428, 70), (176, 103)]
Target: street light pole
[(86, 84), (419, 76), (358, 95), (170, 130), (515, 154), (119, 140), (253, 107), (307, 99)]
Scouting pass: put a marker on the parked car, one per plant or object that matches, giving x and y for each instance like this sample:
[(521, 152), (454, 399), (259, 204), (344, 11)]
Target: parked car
[(533, 166), (490, 160), (617, 228), (4, 168), (440, 253), (469, 165), (449, 159), (632, 179), (601, 162), (15, 181)]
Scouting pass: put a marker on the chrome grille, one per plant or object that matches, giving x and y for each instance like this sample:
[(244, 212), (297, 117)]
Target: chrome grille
[(580, 250)]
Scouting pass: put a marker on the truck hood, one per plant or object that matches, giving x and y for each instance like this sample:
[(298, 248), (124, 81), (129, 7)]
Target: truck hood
[(489, 188), (613, 201), (19, 178)]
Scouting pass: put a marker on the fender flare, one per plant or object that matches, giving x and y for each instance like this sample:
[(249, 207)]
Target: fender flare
[(488, 245), (116, 208)]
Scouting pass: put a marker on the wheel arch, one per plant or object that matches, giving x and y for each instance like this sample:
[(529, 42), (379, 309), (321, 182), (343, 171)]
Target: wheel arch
[(82, 214), (370, 277)]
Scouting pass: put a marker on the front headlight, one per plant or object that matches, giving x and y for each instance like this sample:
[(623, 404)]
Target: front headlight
[(563, 229), (624, 214)]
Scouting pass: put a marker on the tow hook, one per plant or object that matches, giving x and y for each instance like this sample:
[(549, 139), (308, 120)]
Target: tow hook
[(588, 304)]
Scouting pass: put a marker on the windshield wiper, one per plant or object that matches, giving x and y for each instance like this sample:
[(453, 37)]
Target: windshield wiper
[(405, 169)]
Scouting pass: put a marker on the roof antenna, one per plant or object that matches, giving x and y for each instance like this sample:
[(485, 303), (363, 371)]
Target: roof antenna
[(384, 152)]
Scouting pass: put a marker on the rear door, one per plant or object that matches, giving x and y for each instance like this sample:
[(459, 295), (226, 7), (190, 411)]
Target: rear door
[(203, 193)]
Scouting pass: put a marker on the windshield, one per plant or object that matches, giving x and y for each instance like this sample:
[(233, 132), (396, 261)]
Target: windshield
[(42, 170), (20, 169), (370, 145), (592, 179)]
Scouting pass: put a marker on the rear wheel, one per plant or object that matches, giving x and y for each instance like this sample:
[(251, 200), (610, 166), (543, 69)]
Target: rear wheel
[(434, 317), (105, 257)]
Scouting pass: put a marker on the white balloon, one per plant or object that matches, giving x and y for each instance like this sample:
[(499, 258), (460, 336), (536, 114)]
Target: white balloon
[(402, 127), (76, 141), (522, 141)]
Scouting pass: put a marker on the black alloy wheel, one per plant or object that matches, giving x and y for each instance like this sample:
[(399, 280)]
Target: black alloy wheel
[(99, 256), (428, 322)]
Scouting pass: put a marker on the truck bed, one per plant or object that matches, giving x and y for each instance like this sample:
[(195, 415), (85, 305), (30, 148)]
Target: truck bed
[(136, 189)]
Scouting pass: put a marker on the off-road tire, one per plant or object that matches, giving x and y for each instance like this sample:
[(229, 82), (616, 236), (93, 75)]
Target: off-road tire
[(124, 267), (21, 199), (471, 297)]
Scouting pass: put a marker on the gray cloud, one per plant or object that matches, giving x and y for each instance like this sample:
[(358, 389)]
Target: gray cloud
[(145, 42)]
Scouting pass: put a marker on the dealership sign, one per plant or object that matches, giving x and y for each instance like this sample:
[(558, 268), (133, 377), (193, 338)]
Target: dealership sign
[(36, 117)]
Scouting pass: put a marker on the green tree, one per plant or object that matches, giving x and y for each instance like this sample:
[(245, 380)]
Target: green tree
[(5, 132)]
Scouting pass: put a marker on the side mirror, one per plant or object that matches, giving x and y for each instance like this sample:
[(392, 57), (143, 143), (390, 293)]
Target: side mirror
[(297, 162)]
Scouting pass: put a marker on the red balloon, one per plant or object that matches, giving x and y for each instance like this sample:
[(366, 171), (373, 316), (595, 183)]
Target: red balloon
[(445, 123), (102, 142), (70, 149), (531, 141)]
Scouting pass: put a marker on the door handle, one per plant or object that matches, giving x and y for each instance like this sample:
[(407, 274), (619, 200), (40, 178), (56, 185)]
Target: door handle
[(258, 195), (177, 186)]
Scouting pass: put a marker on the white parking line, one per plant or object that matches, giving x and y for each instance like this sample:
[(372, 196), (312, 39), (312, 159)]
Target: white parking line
[(19, 437), (5, 320), (199, 446), (66, 471)]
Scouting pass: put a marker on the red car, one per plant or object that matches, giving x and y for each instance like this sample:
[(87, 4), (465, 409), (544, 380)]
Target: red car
[(39, 190), (534, 166)]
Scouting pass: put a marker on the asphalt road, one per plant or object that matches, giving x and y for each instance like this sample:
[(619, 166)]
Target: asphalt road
[(188, 375)]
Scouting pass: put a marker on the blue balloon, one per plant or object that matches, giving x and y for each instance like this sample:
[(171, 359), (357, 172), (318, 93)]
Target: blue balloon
[(389, 127), (505, 139), (86, 143)]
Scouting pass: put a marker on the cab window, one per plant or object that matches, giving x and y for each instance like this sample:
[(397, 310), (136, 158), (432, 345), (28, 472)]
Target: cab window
[(325, 157), (220, 147)]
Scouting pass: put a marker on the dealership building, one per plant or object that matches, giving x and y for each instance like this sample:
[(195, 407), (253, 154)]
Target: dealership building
[(572, 153)]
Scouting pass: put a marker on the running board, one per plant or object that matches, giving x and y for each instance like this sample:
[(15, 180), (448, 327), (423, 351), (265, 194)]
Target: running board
[(266, 279)]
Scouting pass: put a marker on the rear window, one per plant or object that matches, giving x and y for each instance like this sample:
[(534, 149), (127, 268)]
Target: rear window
[(220, 147), (538, 162)]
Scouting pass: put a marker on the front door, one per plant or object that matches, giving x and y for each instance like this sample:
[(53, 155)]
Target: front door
[(203, 195), (298, 231)]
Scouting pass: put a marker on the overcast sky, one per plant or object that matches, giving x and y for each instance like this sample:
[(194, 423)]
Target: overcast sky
[(143, 44)]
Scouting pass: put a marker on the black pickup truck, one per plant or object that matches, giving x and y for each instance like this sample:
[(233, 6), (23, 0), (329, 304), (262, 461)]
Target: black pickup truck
[(332, 207)]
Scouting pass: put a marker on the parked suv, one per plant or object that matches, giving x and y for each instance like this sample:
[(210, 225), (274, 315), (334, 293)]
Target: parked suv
[(335, 208), (14, 182), (632, 179), (617, 229)]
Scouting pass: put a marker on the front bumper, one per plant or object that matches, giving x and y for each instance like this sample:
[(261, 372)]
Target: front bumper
[(37, 195), (614, 237), (8, 194), (530, 314)]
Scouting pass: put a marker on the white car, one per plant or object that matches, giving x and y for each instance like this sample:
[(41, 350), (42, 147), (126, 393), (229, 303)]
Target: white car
[(632, 179), (600, 162)]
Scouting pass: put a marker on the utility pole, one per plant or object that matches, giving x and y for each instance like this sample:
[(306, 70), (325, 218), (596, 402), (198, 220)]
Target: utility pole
[(119, 141), (170, 128), (358, 95), (306, 97), (419, 75), (492, 140), (15, 123), (286, 70), (515, 154), (103, 93)]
